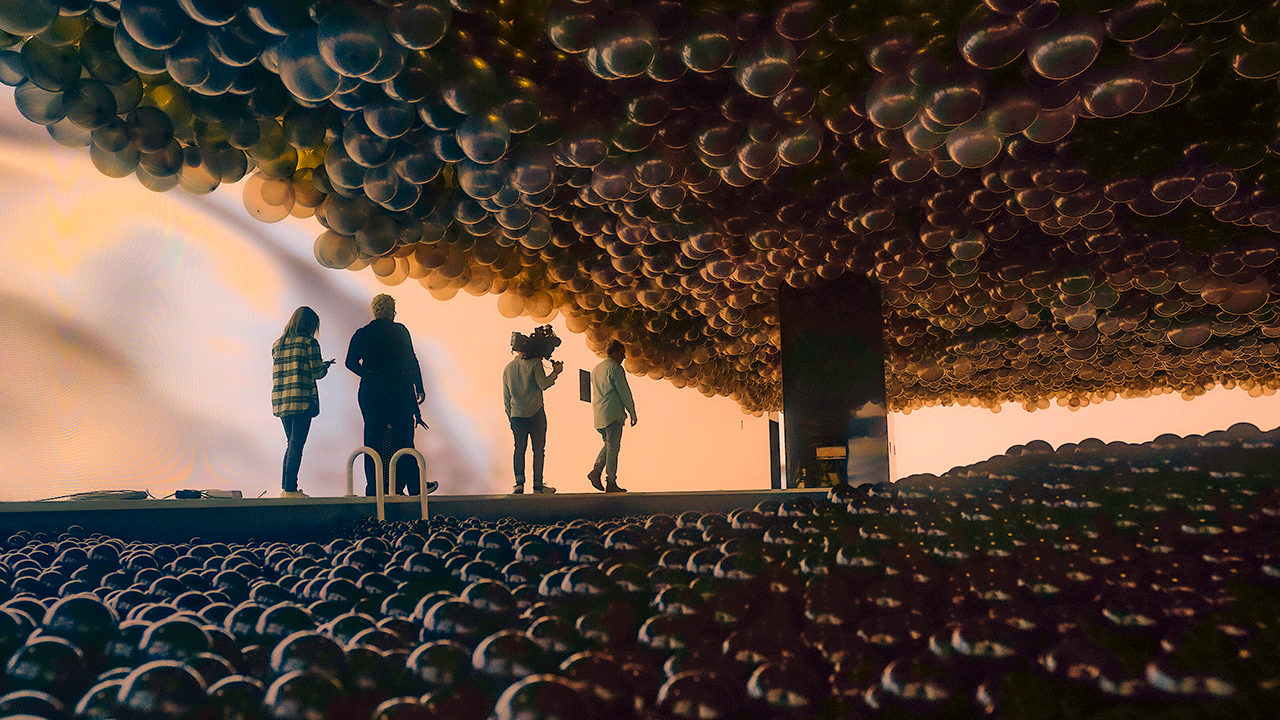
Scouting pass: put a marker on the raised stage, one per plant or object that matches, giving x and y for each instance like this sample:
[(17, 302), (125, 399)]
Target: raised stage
[(272, 519)]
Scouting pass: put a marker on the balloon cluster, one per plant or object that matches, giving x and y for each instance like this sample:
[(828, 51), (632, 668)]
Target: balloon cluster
[(1061, 202), (1100, 580)]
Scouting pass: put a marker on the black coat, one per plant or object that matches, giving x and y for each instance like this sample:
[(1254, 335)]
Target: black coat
[(381, 353)]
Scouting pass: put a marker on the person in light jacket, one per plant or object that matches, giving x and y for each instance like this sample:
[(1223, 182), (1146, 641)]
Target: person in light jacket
[(611, 403), (523, 381)]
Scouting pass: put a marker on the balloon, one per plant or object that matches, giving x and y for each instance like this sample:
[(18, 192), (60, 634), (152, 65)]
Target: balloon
[(974, 145), (626, 43), (308, 76), (351, 42), (708, 43), (468, 85), (51, 68), (365, 147), (212, 12), (989, 42), (418, 26), (389, 119), (1066, 48), (766, 66), (115, 164), (892, 102), (154, 24), (800, 144), (1114, 94), (38, 105), (237, 43), (484, 137), (28, 18), (334, 250)]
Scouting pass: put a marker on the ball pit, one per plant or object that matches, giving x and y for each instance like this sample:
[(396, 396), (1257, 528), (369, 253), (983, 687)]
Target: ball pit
[(1100, 580)]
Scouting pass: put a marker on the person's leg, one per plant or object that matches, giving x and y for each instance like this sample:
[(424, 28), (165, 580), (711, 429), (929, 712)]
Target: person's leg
[(374, 425), (292, 455), (538, 433), (601, 458), (520, 436), (612, 443)]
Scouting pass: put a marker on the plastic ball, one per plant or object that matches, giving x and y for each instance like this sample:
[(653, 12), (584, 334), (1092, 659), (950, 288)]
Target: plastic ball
[(49, 664), (543, 697), (300, 694)]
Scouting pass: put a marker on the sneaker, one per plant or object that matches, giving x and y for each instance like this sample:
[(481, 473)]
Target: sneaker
[(594, 477), (293, 494), (544, 490), (517, 489), (611, 488)]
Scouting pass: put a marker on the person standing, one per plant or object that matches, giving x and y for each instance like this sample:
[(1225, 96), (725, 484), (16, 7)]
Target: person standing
[(296, 365), (523, 381), (391, 390), (611, 402)]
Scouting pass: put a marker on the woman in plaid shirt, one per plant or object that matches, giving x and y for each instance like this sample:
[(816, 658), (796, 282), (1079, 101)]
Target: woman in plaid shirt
[(294, 398)]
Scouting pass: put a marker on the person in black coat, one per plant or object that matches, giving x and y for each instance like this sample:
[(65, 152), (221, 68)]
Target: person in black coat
[(391, 390)]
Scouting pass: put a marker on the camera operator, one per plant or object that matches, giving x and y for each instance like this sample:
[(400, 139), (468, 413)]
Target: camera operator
[(523, 381)]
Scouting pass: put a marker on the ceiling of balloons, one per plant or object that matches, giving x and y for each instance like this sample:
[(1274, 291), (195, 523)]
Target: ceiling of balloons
[(1061, 201)]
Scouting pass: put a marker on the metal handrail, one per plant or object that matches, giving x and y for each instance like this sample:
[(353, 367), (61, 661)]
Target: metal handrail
[(377, 477), (422, 474)]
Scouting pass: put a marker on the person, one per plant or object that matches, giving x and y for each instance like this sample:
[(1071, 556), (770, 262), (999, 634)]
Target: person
[(391, 390), (523, 381), (296, 365), (611, 402)]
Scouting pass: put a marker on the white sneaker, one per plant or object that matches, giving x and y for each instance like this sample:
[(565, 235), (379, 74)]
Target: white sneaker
[(293, 494), (544, 490)]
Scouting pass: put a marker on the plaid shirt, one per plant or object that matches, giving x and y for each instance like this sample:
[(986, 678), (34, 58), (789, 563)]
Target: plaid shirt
[(297, 366)]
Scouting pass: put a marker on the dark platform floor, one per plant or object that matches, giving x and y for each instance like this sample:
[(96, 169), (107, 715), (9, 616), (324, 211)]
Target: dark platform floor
[(273, 519)]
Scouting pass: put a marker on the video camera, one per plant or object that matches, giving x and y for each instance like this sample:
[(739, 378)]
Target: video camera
[(539, 344)]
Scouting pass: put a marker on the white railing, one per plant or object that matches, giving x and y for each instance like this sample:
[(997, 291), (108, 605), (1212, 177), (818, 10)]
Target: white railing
[(377, 476), (380, 492), (422, 474)]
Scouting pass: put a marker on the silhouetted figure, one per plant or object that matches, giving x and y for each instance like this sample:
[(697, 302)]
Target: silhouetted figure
[(523, 381), (611, 402), (296, 365), (381, 353)]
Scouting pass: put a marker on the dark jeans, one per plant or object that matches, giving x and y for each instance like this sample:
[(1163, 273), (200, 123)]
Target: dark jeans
[(607, 460), (296, 428), (388, 427), (525, 429)]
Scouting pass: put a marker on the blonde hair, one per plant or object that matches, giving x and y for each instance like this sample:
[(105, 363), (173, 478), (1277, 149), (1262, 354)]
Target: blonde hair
[(304, 321), (383, 306)]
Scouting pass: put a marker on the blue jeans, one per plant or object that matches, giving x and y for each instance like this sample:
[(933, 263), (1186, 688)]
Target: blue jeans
[(296, 428), (525, 429), (607, 460)]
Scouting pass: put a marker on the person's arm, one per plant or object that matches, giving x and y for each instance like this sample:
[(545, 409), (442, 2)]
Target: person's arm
[(319, 368), (624, 392), (415, 370), (506, 391), (355, 353), (541, 377)]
